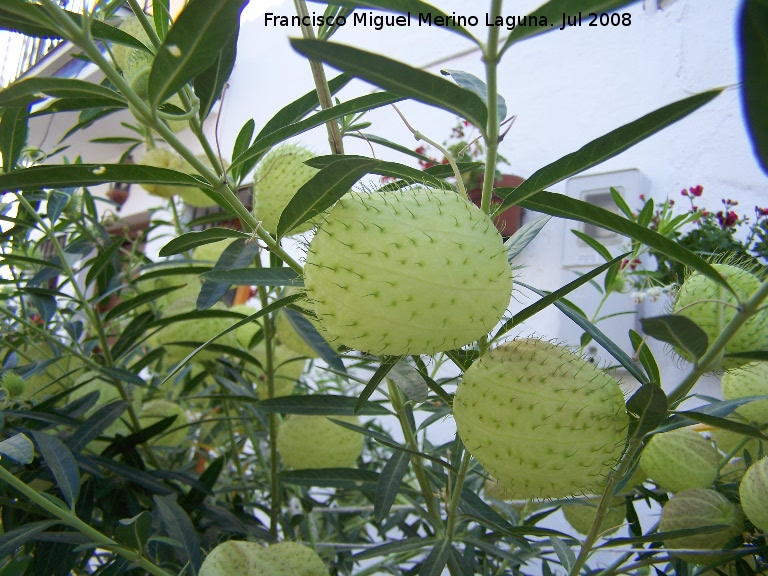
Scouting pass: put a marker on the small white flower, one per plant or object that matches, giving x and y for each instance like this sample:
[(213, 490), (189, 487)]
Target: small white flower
[(655, 293), (638, 297)]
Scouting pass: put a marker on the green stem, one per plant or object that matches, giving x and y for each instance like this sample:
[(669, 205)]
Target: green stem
[(321, 83), (68, 518), (453, 504), (715, 351), (605, 502), (398, 405), (491, 58)]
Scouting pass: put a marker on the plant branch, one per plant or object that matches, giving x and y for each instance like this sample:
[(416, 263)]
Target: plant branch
[(491, 58)]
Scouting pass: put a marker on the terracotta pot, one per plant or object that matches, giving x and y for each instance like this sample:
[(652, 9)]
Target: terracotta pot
[(508, 221)]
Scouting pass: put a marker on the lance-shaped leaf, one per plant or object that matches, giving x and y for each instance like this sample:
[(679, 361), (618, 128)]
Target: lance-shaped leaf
[(238, 255), (322, 191), (76, 175), (550, 16), (605, 147), (61, 464), (13, 135), (361, 104), (255, 277), (18, 448), (753, 41), (398, 78), (319, 405), (209, 84), (179, 527), (389, 483), (191, 240), (648, 408), (307, 331), (573, 209), (192, 45), (473, 83), (679, 331), (39, 87), (382, 168)]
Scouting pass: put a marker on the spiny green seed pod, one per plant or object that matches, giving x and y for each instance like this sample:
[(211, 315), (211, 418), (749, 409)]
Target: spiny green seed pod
[(162, 158), (712, 307), (753, 492), (13, 383), (288, 370), (541, 420), (316, 442), (154, 411), (278, 177), (410, 272), (749, 380), (137, 72), (122, 53), (237, 558), (680, 459), (581, 515), (192, 330), (695, 508)]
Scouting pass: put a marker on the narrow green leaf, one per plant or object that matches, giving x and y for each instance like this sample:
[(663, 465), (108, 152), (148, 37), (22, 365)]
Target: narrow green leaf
[(436, 559), (387, 363), (19, 449), (395, 547), (209, 84), (594, 244), (322, 191), (524, 236), (753, 44), (346, 478), (648, 408), (372, 138), (237, 256), (724, 423), (179, 527), (134, 532), (644, 354), (136, 301), (398, 78), (76, 175), (474, 84), (319, 405), (363, 103), (300, 107), (13, 135), (382, 168), (315, 340), (618, 354), (62, 465), (606, 146), (255, 277), (573, 209), (96, 424), (410, 381), (103, 261), (12, 540), (36, 88), (679, 331), (564, 553), (192, 45), (550, 17), (621, 204), (191, 240), (389, 483), (552, 297)]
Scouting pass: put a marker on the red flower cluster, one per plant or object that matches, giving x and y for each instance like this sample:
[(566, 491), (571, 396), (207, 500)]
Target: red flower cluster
[(693, 191), (632, 265)]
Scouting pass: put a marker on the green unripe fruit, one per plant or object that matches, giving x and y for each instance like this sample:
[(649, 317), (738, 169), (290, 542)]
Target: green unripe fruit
[(695, 508), (195, 196), (137, 72), (316, 442), (13, 383), (541, 420), (122, 53), (581, 516), (680, 459), (699, 299), (424, 268), (162, 158), (154, 411), (749, 380), (733, 471), (278, 177), (237, 558), (753, 492)]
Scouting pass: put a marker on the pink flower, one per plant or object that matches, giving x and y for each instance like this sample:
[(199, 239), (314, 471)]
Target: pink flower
[(696, 190)]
